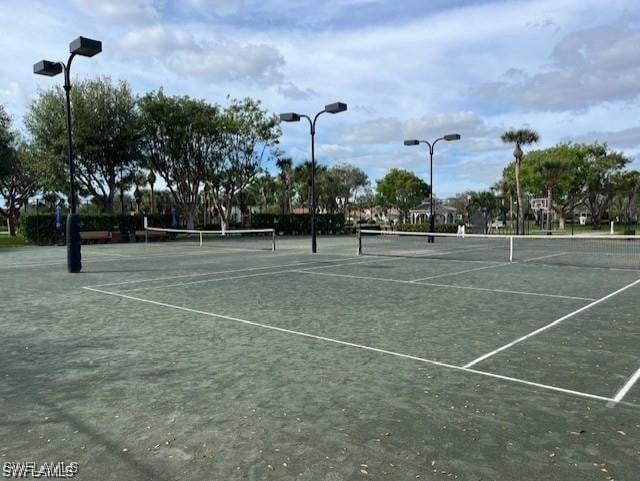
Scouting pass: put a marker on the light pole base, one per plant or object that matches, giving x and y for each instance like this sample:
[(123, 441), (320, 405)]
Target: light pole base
[(74, 257)]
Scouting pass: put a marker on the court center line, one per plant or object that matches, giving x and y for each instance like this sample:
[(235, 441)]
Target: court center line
[(461, 272), (355, 345), (470, 288), (626, 388), (550, 325)]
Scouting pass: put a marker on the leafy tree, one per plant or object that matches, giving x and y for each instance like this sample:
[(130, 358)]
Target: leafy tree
[(18, 184), (483, 202), (6, 143), (180, 137), (247, 134), (348, 179), (554, 173), (400, 189), (519, 138), (105, 128), (599, 168), (627, 188), (263, 192), (302, 182)]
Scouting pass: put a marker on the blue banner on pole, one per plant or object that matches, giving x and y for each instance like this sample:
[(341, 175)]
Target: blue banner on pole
[(58, 217), (174, 220)]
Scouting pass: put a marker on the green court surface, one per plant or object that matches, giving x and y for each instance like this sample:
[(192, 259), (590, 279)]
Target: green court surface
[(172, 361)]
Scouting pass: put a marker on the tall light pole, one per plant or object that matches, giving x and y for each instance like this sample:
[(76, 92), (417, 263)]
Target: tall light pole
[(448, 138), (333, 108), (87, 48)]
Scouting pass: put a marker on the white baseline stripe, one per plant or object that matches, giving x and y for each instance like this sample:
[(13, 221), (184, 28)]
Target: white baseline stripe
[(626, 388), (383, 279), (544, 328), (358, 346), (62, 261)]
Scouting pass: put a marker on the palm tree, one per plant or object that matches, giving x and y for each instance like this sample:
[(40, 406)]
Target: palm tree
[(151, 179), (285, 165), (519, 137)]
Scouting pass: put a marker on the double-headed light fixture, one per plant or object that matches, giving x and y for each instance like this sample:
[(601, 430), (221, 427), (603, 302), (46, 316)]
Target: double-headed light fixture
[(448, 138), (87, 48), (333, 108)]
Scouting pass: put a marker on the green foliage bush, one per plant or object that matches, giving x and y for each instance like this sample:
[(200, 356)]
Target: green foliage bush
[(41, 228), (299, 224), (439, 228)]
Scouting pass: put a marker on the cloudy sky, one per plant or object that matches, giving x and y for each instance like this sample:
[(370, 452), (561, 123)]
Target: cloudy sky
[(569, 69)]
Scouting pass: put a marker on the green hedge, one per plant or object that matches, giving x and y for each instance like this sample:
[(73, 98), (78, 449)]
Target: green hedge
[(440, 228), (41, 228), (299, 224)]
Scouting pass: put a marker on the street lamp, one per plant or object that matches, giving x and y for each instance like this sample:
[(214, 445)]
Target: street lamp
[(87, 48), (333, 108), (448, 138)]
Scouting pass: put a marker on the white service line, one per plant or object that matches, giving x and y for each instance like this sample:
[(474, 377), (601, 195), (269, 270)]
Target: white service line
[(461, 272), (358, 346), (625, 389), (545, 257), (548, 326), (507, 291), (452, 286), (216, 279), (244, 269), (202, 281)]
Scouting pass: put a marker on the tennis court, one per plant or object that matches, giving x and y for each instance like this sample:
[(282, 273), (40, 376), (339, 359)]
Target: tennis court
[(225, 361)]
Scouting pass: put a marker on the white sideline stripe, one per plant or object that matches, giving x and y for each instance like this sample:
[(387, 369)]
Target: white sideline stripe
[(358, 346), (461, 272), (544, 328), (244, 269), (626, 388), (400, 281)]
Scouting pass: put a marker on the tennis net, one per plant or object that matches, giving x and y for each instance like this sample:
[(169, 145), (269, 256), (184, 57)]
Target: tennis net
[(243, 240), (605, 251)]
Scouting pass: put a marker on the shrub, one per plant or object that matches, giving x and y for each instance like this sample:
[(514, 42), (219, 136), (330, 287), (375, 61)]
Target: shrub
[(299, 224), (41, 229)]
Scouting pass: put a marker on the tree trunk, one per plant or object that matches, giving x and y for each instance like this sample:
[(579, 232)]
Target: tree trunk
[(519, 196), (549, 210), (12, 218)]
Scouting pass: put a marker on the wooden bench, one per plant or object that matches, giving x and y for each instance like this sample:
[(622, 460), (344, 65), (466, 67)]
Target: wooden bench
[(95, 235), (151, 235)]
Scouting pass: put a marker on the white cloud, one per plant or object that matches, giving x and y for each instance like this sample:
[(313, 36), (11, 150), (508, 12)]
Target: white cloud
[(131, 10), (476, 134), (622, 139), (217, 7), (230, 61), (291, 91), (215, 60), (589, 67)]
